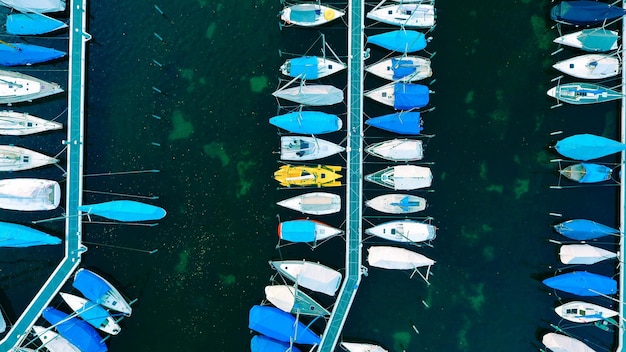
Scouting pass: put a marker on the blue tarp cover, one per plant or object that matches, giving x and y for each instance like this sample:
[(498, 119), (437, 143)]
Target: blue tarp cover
[(584, 12), (407, 123), (262, 343), (76, 331), (582, 283), (14, 235), (15, 54), (595, 173), (307, 122), (409, 96), (125, 210), (597, 39), (31, 24), (297, 231), (582, 229), (274, 323), (402, 68), (401, 40), (303, 14), (90, 285), (93, 313), (305, 66), (588, 146)]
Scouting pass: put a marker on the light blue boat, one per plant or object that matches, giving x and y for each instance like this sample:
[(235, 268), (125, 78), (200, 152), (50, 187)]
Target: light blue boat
[(582, 229), (125, 210), (401, 40), (582, 283), (14, 235), (76, 331), (307, 122), (262, 343), (306, 230), (16, 54), (587, 172), (588, 146), (406, 123), (32, 24), (281, 326)]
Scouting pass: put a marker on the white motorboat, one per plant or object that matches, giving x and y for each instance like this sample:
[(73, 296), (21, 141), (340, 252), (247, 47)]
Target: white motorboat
[(402, 177), (562, 343), (397, 149), (403, 68), (14, 158), (52, 341), (584, 312), (37, 6), (584, 254), (409, 15), (14, 123), (314, 276), (92, 313), (309, 15), (306, 230), (307, 148), (29, 194), (292, 300), (362, 347), (16, 87), (314, 203), (397, 203), (404, 231), (591, 39), (590, 66)]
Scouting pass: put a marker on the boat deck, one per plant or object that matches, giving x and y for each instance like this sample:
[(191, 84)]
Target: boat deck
[(78, 38), (330, 337)]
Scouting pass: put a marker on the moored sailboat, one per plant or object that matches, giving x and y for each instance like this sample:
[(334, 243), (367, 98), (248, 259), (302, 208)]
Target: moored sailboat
[(16, 54), (404, 41), (309, 15), (397, 203), (404, 231), (404, 122), (590, 66), (401, 96), (579, 93), (13, 158), (588, 146), (591, 39), (402, 68), (397, 149), (32, 24), (307, 122), (78, 332), (314, 276), (587, 172), (584, 312), (14, 123), (306, 230), (402, 177), (307, 148), (584, 254), (281, 326), (582, 283), (583, 229), (100, 291), (29, 194), (292, 300), (52, 341), (314, 203), (92, 313), (16, 87), (409, 15), (563, 343)]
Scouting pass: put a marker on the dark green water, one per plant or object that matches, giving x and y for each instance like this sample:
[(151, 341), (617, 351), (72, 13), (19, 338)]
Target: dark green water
[(220, 62)]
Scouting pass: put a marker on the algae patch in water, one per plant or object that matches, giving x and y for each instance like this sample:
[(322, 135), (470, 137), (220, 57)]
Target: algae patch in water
[(401, 340), (258, 84), (181, 129), (216, 150), (183, 262)]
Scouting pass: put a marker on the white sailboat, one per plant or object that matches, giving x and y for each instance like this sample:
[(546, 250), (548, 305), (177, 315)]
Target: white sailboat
[(402, 177), (313, 94), (590, 66), (409, 15), (307, 148), (309, 15), (313, 67), (362, 347), (29, 194), (584, 312), (397, 203), (52, 341), (592, 39), (16, 87), (291, 300), (14, 123), (584, 254), (305, 230), (404, 68), (314, 276), (404, 231), (397, 149), (92, 313), (14, 158), (395, 258), (561, 343), (314, 203)]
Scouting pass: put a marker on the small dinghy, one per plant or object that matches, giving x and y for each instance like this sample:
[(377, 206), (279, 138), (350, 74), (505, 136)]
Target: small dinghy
[(16, 87), (588, 146), (262, 343), (582, 283), (314, 203), (308, 176), (583, 312), (312, 95), (21, 124), (593, 40), (401, 96), (590, 66), (78, 332), (307, 148), (402, 177), (14, 158), (92, 313), (281, 326), (582, 229), (29, 194), (397, 203), (100, 291), (580, 93), (404, 231), (584, 12), (587, 172), (307, 231), (562, 343), (307, 122), (397, 149), (16, 54), (53, 341), (403, 41), (584, 254), (32, 24), (402, 68), (15, 235), (291, 300), (309, 15), (314, 276), (362, 347), (405, 122)]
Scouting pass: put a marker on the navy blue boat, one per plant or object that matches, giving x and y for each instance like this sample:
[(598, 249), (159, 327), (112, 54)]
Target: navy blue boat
[(583, 13), (582, 283), (262, 343), (582, 229), (76, 331), (407, 123), (274, 323), (15, 54)]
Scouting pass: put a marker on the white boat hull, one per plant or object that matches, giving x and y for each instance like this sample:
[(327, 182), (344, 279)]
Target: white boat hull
[(385, 68), (315, 203), (590, 66), (53, 341), (307, 148), (16, 87), (323, 15), (77, 304), (21, 124), (383, 95), (571, 40), (291, 300), (583, 312), (584, 254), (403, 231), (314, 276), (406, 15), (362, 347), (29, 194), (562, 343), (396, 258), (397, 203), (402, 177), (398, 150), (14, 158)]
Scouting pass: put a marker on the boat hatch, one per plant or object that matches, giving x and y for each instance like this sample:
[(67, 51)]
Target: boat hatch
[(573, 311), (384, 95)]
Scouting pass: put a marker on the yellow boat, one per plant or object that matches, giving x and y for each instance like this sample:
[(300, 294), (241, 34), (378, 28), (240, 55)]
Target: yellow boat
[(303, 176)]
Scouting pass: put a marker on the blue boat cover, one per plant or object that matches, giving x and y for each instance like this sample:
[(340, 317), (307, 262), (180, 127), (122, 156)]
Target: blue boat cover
[(93, 313), (597, 39), (274, 323), (15, 54), (307, 122), (588, 146), (125, 210), (582, 283), (595, 173), (409, 96), (14, 235), (303, 14), (405, 204), (90, 285), (401, 40), (582, 230), (584, 12), (297, 230), (262, 343), (402, 68), (408, 123), (32, 24), (305, 66), (76, 331)]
